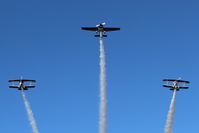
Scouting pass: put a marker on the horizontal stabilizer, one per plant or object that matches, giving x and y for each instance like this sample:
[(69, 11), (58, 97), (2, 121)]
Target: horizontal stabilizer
[(23, 89), (99, 35), (173, 89)]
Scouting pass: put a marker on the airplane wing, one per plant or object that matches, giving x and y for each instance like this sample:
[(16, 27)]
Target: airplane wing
[(13, 86), (18, 80), (14, 80), (168, 86), (111, 29), (90, 28), (183, 87), (169, 80), (29, 86), (184, 81), (28, 80)]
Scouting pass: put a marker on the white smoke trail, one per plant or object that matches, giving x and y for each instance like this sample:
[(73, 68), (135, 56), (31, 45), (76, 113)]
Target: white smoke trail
[(169, 121), (102, 120), (30, 114)]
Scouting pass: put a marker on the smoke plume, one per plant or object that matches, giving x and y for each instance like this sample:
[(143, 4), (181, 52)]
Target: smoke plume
[(30, 114), (102, 120), (169, 121)]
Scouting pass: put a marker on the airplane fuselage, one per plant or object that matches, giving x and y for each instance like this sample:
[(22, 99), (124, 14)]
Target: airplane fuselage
[(100, 29), (22, 86)]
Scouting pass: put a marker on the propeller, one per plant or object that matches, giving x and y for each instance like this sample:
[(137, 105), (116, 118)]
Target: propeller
[(100, 24), (103, 23)]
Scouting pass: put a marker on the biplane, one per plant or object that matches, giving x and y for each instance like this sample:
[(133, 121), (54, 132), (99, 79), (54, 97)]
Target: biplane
[(22, 84), (176, 84)]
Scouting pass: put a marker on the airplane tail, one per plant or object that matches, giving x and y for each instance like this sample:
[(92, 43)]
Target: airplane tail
[(99, 35)]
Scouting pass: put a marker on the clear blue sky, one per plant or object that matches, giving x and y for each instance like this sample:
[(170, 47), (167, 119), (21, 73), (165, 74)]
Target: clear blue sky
[(42, 40)]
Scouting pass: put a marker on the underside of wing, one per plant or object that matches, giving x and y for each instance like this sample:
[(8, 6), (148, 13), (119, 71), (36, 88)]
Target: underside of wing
[(23, 80), (169, 80), (28, 80), (168, 86), (13, 86), (172, 80), (183, 81), (111, 29), (183, 87), (90, 28), (30, 86), (14, 80)]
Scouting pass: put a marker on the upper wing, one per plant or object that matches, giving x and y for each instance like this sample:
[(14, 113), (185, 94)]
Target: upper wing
[(169, 80), (23, 80), (183, 81), (14, 80), (111, 29), (90, 28), (28, 80)]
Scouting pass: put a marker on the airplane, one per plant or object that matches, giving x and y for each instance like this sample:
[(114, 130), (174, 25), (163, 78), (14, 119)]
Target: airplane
[(174, 84), (100, 29), (21, 84)]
